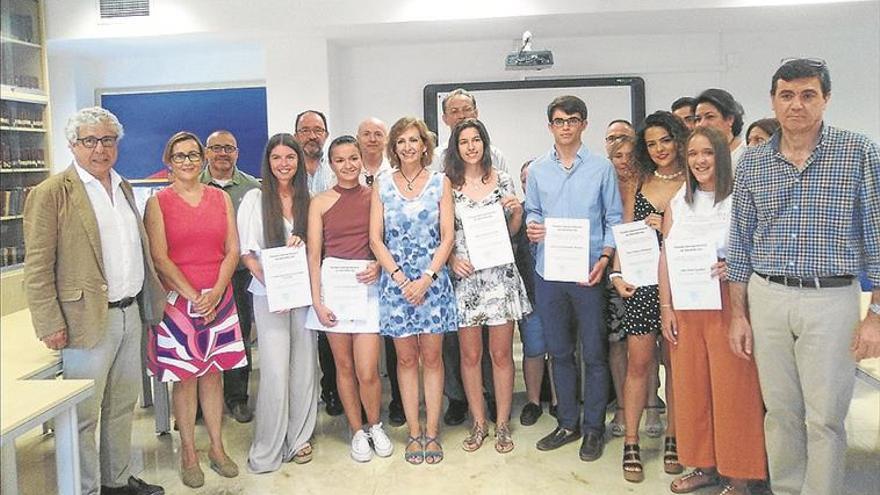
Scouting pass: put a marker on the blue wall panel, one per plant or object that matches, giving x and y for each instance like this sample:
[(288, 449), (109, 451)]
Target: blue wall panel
[(150, 118)]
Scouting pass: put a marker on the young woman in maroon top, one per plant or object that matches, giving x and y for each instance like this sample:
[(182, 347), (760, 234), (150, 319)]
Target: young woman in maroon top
[(339, 222)]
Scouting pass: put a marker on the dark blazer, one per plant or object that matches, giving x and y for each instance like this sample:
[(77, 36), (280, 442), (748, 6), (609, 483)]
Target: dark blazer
[(64, 276)]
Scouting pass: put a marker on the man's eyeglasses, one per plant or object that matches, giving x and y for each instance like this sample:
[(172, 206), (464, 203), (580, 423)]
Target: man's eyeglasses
[(193, 157), (817, 63), (611, 138), (223, 148), (92, 141), (317, 131), (573, 121)]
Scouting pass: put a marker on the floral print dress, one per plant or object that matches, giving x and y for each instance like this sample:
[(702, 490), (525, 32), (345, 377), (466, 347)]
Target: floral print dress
[(492, 296), (412, 234)]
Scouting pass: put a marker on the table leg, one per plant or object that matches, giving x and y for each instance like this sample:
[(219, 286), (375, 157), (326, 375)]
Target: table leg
[(67, 452), (161, 406), (10, 469)]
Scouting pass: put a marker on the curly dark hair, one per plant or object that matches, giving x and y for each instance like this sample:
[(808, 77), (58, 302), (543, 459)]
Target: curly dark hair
[(644, 166)]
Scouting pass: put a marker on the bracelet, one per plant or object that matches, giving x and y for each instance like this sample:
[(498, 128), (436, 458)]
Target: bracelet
[(666, 305), (613, 275), (395, 271), (606, 256)]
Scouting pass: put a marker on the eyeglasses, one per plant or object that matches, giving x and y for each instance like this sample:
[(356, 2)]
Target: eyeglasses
[(192, 156), (92, 141), (817, 63), (317, 131), (611, 137), (223, 148), (572, 121)]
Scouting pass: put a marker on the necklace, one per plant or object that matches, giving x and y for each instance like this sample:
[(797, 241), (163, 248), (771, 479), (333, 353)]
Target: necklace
[(668, 177), (409, 183)]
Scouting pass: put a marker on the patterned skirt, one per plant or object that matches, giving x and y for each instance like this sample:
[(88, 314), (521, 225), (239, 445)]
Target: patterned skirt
[(182, 346)]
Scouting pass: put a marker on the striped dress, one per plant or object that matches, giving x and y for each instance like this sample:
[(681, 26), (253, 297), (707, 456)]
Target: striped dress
[(182, 346)]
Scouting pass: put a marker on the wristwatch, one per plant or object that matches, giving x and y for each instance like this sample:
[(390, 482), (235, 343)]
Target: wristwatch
[(431, 274), (874, 308)]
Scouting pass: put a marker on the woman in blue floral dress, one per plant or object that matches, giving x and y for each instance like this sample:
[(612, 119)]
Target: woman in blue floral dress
[(493, 297), (411, 234)]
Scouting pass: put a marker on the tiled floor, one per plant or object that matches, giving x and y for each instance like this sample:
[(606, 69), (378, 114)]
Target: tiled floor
[(524, 471)]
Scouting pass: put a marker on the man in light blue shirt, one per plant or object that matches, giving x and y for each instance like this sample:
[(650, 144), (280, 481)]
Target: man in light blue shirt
[(572, 182)]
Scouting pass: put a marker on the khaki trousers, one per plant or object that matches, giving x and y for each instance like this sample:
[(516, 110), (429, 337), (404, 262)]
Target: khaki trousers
[(115, 366), (802, 339)]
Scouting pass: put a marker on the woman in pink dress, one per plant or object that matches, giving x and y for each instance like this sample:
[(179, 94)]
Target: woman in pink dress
[(194, 243)]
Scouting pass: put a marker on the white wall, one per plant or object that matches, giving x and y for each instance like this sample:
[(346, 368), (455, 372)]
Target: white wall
[(355, 74), (387, 80)]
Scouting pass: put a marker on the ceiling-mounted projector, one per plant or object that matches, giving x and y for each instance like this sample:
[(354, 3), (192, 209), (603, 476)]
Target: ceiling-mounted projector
[(527, 59)]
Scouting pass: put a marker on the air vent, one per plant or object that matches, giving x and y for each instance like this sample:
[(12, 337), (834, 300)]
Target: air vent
[(114, 9)]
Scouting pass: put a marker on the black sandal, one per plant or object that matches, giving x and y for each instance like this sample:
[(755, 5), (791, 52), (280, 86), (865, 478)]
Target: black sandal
[(632, 463), (670, 457)]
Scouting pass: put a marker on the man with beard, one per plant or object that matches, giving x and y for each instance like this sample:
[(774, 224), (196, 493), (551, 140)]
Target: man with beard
[(311, 134), (221, 152)]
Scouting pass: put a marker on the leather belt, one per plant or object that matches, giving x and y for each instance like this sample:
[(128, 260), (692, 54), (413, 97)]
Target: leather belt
[(809, 282), (122, 303)]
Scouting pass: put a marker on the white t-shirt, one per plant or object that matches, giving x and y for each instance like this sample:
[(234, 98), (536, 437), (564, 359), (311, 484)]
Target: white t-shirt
[(702, 216)]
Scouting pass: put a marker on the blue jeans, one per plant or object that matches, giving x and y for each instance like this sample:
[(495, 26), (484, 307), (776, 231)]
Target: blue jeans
[(531, 333), (560, 304)]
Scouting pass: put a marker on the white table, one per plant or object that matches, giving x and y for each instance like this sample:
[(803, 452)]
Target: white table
[(28, 404)]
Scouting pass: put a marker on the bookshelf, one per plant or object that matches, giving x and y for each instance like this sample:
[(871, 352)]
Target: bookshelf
[(24, 119)]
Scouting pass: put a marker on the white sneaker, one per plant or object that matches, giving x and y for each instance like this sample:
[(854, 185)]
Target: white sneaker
[(360, 446), (381, 443)]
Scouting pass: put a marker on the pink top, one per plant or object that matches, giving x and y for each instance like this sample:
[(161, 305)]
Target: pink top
[(196, 235)]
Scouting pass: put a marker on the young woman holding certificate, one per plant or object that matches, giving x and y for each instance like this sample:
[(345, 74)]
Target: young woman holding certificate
[(411, 234), (272, 216), (343, 305), (719, 409), (660, 159), (487, 295)]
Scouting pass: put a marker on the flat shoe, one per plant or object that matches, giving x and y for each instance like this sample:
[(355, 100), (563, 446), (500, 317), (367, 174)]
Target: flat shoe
[(433, 456), (192, 477), (226, 467), (303, 455), (414, 457), (700, 479)]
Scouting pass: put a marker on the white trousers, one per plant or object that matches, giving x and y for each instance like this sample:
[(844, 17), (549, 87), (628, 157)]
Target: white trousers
[(287, 395)]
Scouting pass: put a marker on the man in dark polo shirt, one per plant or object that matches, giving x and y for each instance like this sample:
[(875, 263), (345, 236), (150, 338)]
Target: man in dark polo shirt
[(221, 151)]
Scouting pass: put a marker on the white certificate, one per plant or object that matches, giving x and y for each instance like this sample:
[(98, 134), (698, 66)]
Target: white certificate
[(567, 249), (286, 273), (700, 227), (486, 236), (689, 262), (639, 252), (340, 289), (370, 324)]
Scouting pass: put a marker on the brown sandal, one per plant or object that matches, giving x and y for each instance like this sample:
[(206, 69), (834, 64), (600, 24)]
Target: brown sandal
[(632, 463), (693, 481), (475, 438), (670, 457), (503, 439)]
